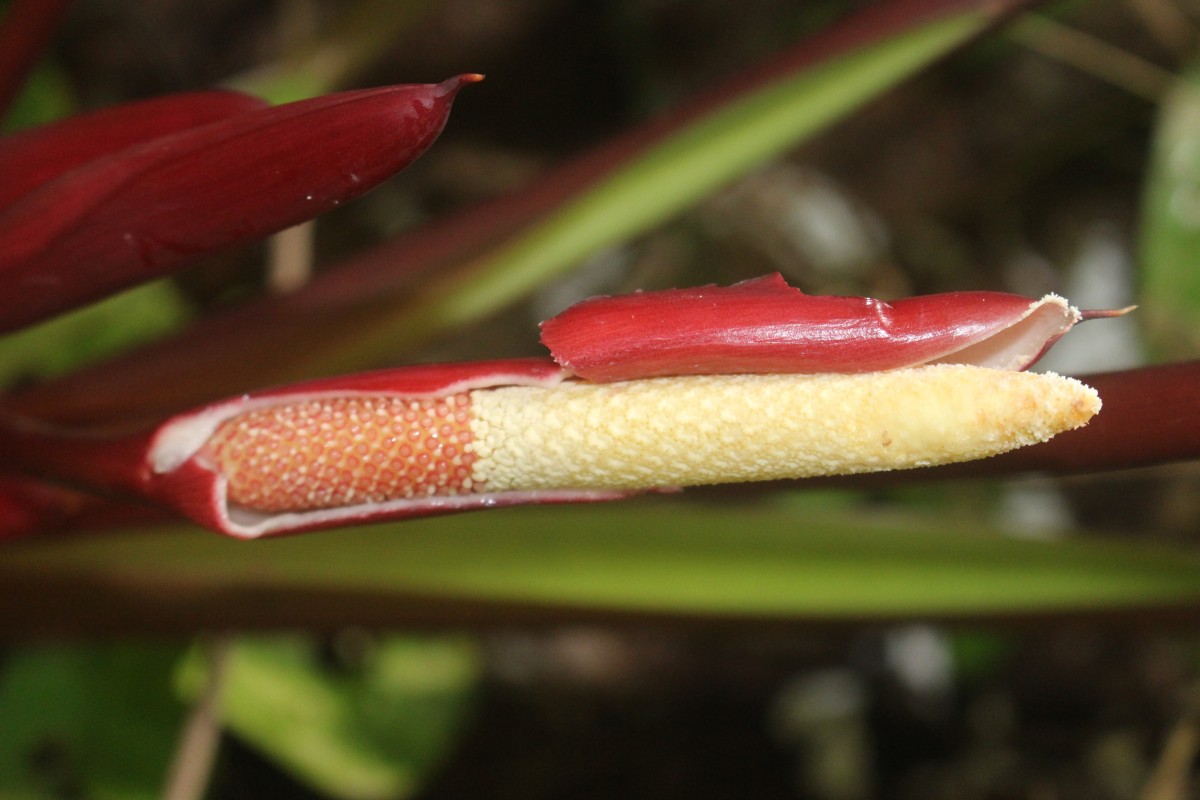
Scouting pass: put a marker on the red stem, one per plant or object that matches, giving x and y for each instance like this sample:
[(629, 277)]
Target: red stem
[(1151, 416), (94, 462), (29, 507)]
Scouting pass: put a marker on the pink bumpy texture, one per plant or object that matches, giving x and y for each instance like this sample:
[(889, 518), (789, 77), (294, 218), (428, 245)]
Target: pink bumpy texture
[(345, 451)]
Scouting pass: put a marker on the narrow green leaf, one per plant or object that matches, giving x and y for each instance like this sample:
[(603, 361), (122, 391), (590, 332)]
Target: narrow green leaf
[(1170, 236), (640, 557), (91, 333)]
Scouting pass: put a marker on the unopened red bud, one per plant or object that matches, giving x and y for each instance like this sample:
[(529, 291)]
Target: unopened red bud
[(160, 205)]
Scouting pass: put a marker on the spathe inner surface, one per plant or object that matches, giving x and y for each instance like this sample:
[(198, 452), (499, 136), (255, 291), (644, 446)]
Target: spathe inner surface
[(1019, 345)]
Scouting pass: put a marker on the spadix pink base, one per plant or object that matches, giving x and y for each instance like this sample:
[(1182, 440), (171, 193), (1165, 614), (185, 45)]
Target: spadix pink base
[(185, 454), (338, 451)]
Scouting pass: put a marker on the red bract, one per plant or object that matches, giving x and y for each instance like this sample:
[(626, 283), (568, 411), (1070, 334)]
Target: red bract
[(27, 506), (764, 325), (35, 156), (160, 205)]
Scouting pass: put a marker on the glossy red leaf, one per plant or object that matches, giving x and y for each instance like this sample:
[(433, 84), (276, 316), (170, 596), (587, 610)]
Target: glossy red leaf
[(33, 157), (764, 325), (159, 206)]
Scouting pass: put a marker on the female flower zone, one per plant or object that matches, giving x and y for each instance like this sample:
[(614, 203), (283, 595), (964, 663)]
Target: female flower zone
[(650, 391)]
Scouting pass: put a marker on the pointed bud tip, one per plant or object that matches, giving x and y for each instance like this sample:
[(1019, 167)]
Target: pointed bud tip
[(1105, 313), (452, 85)]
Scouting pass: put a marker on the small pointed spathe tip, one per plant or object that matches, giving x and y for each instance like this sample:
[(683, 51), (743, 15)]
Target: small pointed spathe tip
[(452, 85), (1105, 313)]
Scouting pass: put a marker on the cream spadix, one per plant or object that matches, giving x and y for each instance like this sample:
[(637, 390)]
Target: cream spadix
[(694, 430)]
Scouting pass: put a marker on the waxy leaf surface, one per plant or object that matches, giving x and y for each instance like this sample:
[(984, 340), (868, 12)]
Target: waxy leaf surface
[(33, 157)]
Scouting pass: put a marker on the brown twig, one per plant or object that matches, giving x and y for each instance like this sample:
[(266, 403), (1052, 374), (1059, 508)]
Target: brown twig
[(191, 766), (1172, 775), (1093, 56)]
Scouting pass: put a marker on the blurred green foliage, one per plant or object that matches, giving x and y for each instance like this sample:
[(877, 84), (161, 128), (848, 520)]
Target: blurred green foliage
[(1170, 235)]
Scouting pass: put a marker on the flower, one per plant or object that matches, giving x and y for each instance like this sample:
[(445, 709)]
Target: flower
[(439, 438)]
